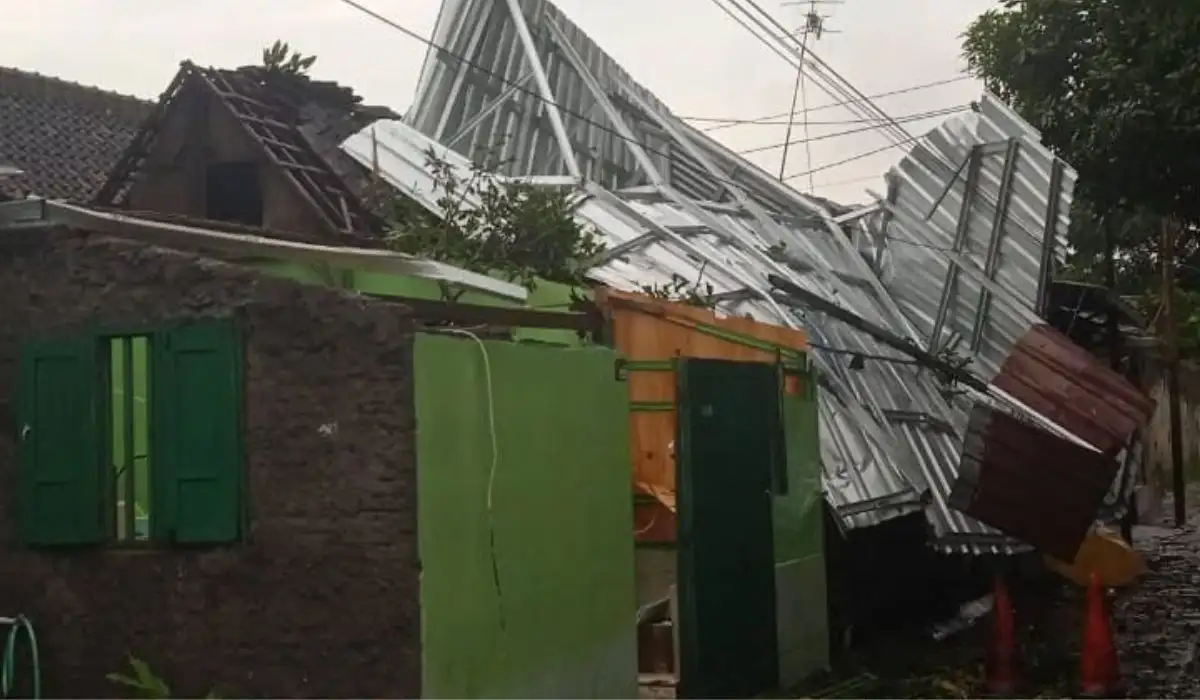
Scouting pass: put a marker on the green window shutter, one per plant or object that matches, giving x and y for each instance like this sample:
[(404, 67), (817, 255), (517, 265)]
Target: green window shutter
[(196, 455), (60, 494)]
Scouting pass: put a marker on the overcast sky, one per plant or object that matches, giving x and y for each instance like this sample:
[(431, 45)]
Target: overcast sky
[(697, 60)]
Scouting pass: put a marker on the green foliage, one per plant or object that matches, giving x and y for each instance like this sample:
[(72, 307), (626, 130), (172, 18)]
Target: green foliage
[(682, 291), (496, 226), (144, 683), (143, 680), (279, 57)]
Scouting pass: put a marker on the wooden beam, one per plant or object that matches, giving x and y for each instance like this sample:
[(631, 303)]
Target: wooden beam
[(457, 313)]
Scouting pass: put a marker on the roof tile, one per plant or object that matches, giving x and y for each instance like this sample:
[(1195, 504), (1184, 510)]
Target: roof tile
[(64, 136)]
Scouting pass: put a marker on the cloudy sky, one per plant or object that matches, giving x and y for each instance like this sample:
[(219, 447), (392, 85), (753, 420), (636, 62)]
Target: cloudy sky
[(693, 56)]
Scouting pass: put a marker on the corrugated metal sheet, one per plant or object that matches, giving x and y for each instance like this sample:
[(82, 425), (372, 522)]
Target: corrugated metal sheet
[(1029, 483), (979, 198), (500, 114), (1060, 380), (672, 202)]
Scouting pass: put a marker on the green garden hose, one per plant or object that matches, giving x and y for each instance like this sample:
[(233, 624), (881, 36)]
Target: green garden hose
[(8, 666)]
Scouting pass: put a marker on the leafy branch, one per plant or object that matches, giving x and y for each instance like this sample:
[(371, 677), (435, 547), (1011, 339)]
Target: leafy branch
[(280, 58), (497, 226)]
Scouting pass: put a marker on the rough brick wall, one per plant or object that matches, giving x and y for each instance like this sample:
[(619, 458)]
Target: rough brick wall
[(322, 599)]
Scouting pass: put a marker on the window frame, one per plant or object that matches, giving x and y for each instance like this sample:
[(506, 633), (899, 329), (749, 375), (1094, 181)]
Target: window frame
[(99, 338)]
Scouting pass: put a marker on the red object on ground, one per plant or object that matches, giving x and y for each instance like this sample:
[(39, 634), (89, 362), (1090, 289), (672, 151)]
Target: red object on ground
[(1099, 671), (1001, 676)]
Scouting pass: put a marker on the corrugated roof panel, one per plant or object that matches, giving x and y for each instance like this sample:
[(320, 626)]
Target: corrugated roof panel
[(1067, 384), (982, 187), (1029, 483)]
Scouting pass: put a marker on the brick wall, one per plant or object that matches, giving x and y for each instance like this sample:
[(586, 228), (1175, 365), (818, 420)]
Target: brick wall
[(322, 599)]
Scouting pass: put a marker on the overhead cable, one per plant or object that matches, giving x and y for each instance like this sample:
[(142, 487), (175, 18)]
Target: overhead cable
[(944, 112), (773, 119)]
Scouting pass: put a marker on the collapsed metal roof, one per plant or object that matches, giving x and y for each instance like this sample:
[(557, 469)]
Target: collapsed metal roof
[(672, 202), (978, 191)]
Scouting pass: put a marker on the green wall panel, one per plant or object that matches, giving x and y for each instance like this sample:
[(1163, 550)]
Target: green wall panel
[(534, 596), (800, 584)]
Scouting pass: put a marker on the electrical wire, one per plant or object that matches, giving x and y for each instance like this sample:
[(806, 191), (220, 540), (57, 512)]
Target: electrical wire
[(777, 39), (807, 133), (853, 102), (944, 112), (851, 181), (851, 159), (514, 85), (649, 526), (491, 481), (729, 122)]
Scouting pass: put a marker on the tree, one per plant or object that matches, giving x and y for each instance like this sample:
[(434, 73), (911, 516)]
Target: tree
[(1114, 87), (495, 225)]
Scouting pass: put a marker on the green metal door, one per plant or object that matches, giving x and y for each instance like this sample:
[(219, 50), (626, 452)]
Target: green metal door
[(728, 443)]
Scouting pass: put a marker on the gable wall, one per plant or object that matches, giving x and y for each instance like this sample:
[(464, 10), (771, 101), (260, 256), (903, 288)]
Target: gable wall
[(199, 131)]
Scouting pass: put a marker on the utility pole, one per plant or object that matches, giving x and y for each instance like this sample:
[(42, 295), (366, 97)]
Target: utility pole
[(1115, 346), (1171, 341), (814, 26)]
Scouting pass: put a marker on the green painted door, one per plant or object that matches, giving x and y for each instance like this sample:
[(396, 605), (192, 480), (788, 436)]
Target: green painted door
[(727, 446)]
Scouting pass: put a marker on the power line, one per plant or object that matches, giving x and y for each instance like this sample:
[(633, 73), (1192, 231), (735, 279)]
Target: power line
[(829, 122), (832, 82), (853, 158), (851, 181), (946, 111), (518, 87), (726, 122)]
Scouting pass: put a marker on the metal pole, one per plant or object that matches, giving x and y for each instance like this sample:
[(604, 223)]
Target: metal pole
[(787, 137), (1172, 356), (1112, 326)]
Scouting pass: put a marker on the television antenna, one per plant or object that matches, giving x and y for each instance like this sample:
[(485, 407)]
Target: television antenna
[(813, 27)]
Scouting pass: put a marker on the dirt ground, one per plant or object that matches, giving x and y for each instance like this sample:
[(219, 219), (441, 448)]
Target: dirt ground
[(1156, 624)]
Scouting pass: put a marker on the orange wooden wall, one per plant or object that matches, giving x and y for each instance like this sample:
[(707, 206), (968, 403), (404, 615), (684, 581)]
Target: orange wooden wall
[(645, 329)]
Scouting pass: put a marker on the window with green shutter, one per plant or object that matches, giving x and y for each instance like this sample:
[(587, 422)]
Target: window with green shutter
[(195, 442), (132, 438), (60, 489)]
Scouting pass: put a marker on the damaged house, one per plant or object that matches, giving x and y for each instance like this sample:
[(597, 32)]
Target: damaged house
[(936, 398), (198, 470)]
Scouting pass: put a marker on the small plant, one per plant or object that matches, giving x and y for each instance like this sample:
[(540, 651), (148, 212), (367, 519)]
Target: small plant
[(495, 226), (684, 292), (280, 58), (144, 683)]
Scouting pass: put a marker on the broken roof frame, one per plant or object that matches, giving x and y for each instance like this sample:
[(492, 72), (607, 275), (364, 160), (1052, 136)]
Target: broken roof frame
[(896, 408)]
